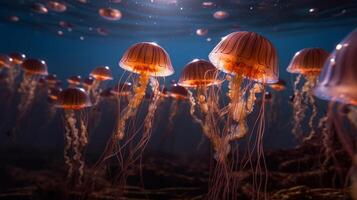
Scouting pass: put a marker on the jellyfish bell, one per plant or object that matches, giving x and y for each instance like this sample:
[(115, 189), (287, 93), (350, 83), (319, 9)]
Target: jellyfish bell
[(338, 79), (74, 81), (39, 8), (17, 58), (54, 93), (278, 86), (74, 98), (51, 80), (248, 54), (88, 83), (34, 67), (5, 61), (178, 92), (199, 73), (220, 14), (268, 96), (110, 13), (122, 89), (102, 73), (208, 4), (57, 6), (201, 31), (308, 61)]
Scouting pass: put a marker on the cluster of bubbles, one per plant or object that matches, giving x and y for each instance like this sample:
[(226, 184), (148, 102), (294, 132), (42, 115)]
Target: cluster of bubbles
[(247, 61)]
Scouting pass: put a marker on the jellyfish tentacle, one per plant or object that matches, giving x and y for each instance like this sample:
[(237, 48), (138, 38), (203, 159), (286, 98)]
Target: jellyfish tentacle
[(68, 144), (299, 110), (130, 110), (174, 110)]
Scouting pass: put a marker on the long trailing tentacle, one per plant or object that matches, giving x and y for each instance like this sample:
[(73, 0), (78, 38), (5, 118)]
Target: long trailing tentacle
[(130, 110), (67, 147), (299, 110)]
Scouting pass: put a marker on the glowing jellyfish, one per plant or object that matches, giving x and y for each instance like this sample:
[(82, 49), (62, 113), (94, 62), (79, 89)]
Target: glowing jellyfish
[(208, 4), (100, 75), (275, 101), (201, 31), (122, 89), (88, 83), (39, 8), (307, 63), (249, 56), (74, 81), (338, 84), (147, 60), (74, 101), (178, 94), (110, 14), (102, 31), (199, 75), (5, 62), (14, 71), (220, 14), (33, 70), (14, 18), (57, 6), (53, 94)]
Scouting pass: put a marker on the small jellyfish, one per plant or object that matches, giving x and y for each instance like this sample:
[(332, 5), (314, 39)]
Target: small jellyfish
[(52, 80), (88, 83), (57, 6), (201, 31), (208, 4), (110, 13), (74, 81), (33, 70), (338, 84), (307, 63), (178, 94), (39, 8), (74, 101), (276, 101), (53, 94), (122, 89), (100, 76), (251, 62), (220, 14), (14, 71), (5, 62), (14, 18)]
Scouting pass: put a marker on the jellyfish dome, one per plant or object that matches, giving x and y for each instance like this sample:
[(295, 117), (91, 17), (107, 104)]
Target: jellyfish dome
[(147, 58), (73, 99), (248, 54), (34, 67), (278, 86), (5, 61), (199, 73), (102, 73), (178, 92), (17, 58), (122, 89), (74, 80), (308, 61), (54, 93), (110, 13), (338, 79)]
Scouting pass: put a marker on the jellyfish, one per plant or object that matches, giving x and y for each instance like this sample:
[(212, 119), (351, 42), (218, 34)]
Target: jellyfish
[(74, 81), (307, 63), (88, 83), (251, 62), (52, 81), (57, 6), (33, 70), (39, 8), (110, 14), (74, 101), (100, 75), (221, 14), (122, 90), (178, 94), (53, 94), (5, 62), (338, 84), (276, 100)]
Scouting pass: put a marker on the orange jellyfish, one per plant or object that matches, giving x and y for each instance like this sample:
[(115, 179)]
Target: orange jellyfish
[(122, 89), (110, 14), (52, 97), (33, 70), (178, 94), (39, 8), (200, 75), (57, 6), (52, 81), (338, 84), (100, 75), (74, 101), (220, 14), (5, 62), (251, 62), (201, 31), (147, 60), (88, 83), (74, 81), (307, 63), (275, 101)]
